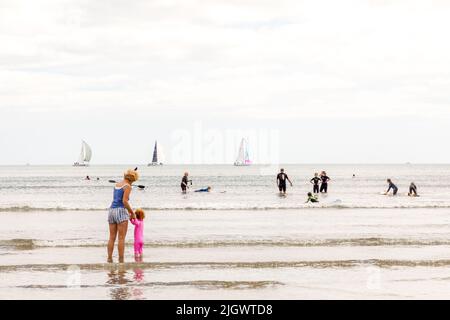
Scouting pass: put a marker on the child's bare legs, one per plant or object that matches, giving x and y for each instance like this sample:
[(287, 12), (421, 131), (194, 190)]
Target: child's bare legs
[(122, 230), (112, 240)]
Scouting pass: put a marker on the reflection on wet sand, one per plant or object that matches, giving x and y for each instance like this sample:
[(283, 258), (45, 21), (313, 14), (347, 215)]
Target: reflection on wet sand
[(122, 288), (117, 278), (138, 293)]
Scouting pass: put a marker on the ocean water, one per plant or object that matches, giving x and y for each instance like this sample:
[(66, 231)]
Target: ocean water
[(241, 241), (233, 188)]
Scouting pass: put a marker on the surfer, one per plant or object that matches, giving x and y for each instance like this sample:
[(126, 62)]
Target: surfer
[(315, 181), (281, 181), (184, 182), (392, 187), (87, 178), (413, 190), (324, 184), (312, 198), (207, 189)]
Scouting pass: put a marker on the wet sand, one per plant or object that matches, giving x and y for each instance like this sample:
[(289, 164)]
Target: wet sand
[(290, 254)]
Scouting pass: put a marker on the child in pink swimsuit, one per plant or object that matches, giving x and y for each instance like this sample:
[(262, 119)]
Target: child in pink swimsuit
[(138, 232)]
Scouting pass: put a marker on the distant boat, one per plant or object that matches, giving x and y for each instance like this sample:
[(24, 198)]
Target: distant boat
[(157, 156), (243, 158), (85, 155)]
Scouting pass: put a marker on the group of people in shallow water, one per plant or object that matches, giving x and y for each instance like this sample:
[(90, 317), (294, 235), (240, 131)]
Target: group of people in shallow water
[(412, 189), (319, 182), (120, 211)]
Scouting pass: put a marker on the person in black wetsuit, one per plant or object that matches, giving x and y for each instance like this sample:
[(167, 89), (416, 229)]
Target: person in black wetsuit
[(392, 187), (315, 181), (324, 184), (184, 182), (413, 190), (281, 181)]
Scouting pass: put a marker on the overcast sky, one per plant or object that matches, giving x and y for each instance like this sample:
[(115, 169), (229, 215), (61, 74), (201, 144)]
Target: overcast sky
[(339, 81)]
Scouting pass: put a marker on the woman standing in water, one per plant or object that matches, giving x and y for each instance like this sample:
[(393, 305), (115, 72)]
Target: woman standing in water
[(119, 214), (324, 184)]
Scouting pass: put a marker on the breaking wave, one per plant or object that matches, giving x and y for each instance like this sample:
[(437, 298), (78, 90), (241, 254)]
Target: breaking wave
[(230, 208)]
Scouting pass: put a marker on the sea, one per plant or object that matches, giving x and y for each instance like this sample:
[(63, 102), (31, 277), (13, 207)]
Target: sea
[(242, 240)]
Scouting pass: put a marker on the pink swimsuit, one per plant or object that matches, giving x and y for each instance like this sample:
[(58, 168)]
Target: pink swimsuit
[(138, 235)]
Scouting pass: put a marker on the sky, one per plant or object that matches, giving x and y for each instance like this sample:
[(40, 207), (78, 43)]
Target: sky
[(305, 81)]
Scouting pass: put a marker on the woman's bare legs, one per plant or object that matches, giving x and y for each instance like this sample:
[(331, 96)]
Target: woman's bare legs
[(122, 230), (112, 240)]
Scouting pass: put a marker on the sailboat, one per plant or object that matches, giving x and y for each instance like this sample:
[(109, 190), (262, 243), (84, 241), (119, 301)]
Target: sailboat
[(85, 155), (243, 158), (157, 156)]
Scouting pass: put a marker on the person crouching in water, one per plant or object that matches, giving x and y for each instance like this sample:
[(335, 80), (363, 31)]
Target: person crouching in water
[(312, 198), (138, 223), (413, 190), (392, 187)]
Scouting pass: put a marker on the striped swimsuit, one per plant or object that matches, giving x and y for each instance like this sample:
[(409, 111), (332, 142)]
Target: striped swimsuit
[(117, 212)]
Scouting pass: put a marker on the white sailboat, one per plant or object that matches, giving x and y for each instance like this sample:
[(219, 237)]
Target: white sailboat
[(243, 158), (157, 159), (85, 155)]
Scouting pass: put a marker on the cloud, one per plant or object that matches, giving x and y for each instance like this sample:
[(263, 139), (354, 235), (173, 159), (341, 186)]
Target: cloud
[(247, 59)]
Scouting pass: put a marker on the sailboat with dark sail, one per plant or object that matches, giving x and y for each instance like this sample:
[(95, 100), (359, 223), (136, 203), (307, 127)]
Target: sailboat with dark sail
[(157, 156)]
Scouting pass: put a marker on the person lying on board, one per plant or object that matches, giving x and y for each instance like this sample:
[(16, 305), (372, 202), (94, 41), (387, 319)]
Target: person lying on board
[(207, 189)]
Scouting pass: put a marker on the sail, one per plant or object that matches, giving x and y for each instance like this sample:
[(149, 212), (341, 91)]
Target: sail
[(243, 157), (87, 152), (85, 155), (247, 156), (81, 157), (155, 153)]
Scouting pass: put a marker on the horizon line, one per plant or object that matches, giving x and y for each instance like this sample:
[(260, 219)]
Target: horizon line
[(225, 164)]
